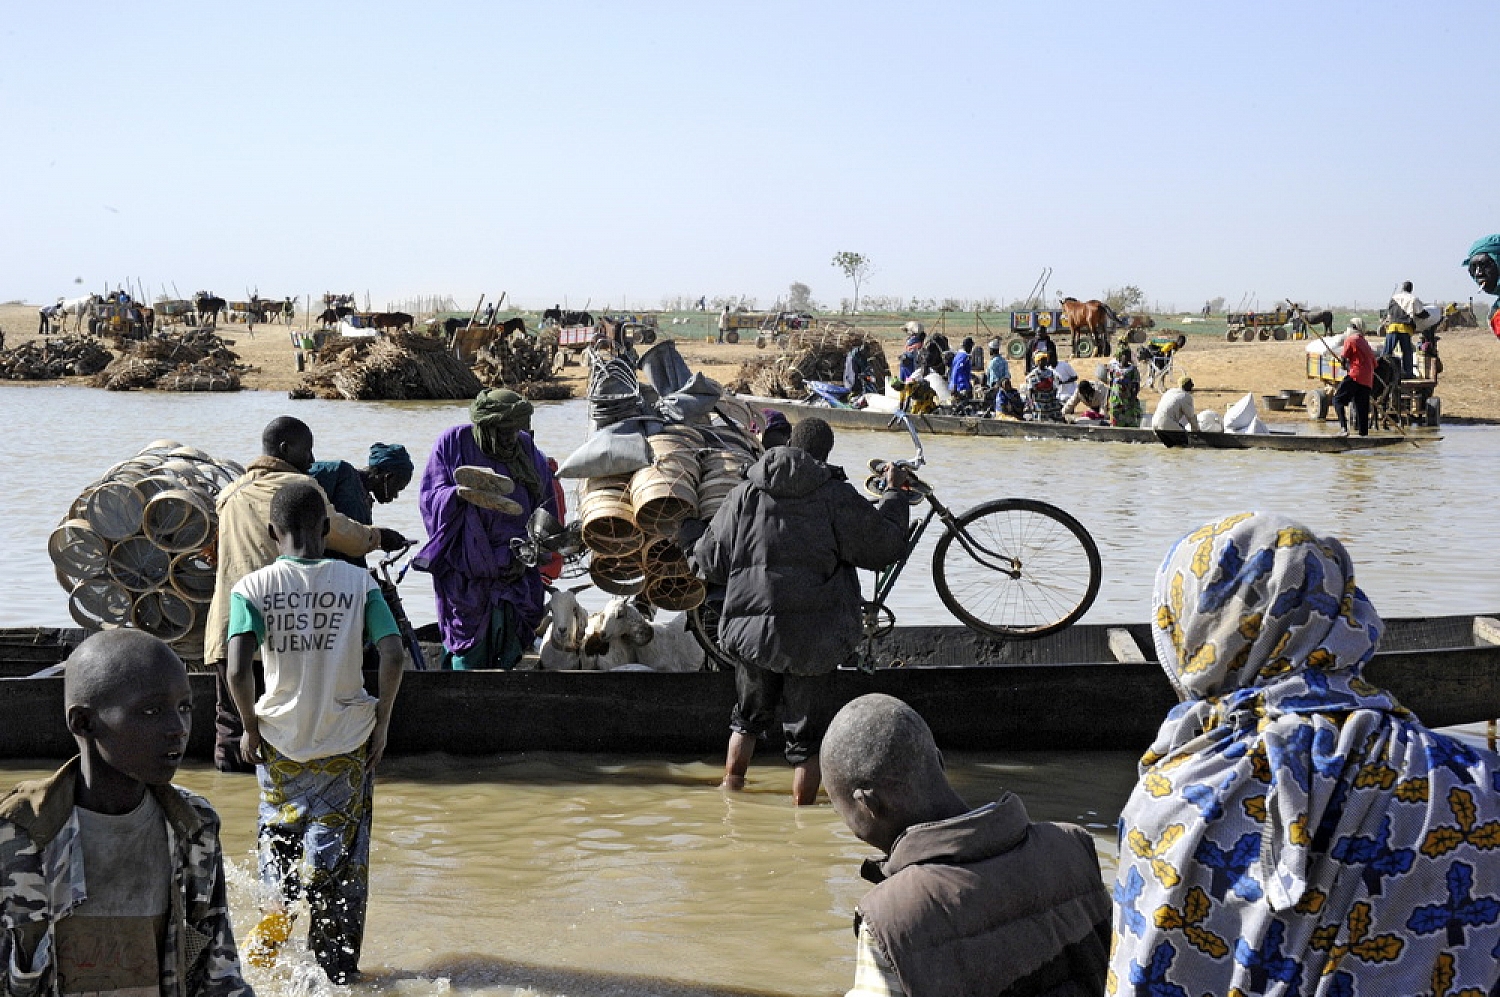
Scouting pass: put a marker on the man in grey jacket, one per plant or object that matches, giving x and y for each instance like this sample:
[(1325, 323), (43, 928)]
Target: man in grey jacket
[(968, 901), (786, 544)]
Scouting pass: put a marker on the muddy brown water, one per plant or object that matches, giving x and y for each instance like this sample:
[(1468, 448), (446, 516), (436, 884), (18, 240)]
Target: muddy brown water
[(579, 874)]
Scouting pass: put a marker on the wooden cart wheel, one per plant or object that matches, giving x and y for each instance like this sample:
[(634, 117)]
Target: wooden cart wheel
[(1231, 335), (760, 342), (1084, 348), (733, 336), (1316, 403)]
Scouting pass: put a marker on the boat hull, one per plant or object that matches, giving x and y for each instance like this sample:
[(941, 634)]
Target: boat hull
[(1089, 687)]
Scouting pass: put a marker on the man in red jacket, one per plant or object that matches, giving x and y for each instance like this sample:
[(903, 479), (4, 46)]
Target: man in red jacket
[(1359, 365)]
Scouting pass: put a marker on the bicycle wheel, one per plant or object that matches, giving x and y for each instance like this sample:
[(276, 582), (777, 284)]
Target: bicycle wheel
[(703, 624), (1016, 568)]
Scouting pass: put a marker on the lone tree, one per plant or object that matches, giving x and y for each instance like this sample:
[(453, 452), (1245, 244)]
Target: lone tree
[(856, 267), (799, 298)]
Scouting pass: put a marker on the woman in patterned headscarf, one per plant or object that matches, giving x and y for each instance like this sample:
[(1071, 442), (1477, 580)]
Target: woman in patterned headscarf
[(1124, 389), (1296, 831), (480, 485)]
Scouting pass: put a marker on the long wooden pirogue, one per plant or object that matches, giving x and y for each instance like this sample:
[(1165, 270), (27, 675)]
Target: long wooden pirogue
[(1089, 687)]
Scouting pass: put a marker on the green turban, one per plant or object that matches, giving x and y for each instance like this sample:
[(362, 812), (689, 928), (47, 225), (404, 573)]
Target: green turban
[(497, 414)]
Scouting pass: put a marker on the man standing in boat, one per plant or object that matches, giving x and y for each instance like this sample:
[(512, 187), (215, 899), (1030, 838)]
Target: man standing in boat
[(244, 509), (786, 544)]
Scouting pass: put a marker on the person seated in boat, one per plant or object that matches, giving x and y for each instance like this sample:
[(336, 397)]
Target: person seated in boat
[(859, 372), (997, 369), (966, 900), (1067, 380), (1042, 343), (1175, 409), (481, 483), (1084, 405), (1294, 828), (1042, 403), (1008, 401), (909, 364), (961, 372), (778, 430), (354, 491), (106, 857)]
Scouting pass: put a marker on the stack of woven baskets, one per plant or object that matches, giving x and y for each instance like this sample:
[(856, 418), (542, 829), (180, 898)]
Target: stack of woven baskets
[(136, 547), (630, 521)]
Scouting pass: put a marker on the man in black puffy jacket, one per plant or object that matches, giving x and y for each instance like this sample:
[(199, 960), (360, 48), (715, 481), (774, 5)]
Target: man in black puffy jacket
[(786, 544)]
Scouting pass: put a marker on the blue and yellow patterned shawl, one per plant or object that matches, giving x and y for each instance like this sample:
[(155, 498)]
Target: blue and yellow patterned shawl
[(1294, 829)]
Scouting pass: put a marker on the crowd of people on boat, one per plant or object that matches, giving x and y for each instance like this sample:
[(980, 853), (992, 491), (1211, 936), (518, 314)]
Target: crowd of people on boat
[(974, 382), (1294, 830)]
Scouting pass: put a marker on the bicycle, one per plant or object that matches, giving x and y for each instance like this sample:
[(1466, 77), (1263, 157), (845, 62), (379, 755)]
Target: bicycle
[(388, 589), (1012, 568)]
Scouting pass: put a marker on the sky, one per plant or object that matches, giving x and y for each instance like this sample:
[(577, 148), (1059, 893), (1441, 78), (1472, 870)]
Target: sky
[(624, 153)]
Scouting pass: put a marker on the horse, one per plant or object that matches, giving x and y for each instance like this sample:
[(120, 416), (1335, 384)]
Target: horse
[(79, 308), (208, 308), (1093, 317), (1302, 318)]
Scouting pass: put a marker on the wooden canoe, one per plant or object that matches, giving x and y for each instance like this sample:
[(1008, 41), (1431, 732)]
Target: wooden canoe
[(1091, 686), (947, 425)]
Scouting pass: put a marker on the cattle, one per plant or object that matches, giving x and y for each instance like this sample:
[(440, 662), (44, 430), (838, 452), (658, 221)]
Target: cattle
[(331, 316), (1093, 317), (391, 320), (208, 307), (559, 316)]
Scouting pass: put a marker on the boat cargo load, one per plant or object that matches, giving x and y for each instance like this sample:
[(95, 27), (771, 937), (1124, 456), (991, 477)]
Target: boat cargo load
[(135, 549)]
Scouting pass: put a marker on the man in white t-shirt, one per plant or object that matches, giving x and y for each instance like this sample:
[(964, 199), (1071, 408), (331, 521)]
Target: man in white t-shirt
[(316, 734), (1175, 409)]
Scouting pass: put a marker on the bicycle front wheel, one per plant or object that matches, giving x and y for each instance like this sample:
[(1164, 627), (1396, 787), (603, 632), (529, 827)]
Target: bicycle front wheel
[(1016, 568)]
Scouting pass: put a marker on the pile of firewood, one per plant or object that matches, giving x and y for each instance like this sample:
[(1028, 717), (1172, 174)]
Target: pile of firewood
[(49, 359), (404, 365)]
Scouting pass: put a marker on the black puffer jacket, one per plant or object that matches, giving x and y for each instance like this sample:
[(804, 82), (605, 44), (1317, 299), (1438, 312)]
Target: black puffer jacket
[(786, 543)]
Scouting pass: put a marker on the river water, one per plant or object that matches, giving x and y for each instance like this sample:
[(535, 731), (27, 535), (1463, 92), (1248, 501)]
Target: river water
[(574, 874)]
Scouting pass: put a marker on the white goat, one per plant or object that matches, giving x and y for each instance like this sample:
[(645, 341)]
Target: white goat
[(673, 649), (616, 635), (563, 627)]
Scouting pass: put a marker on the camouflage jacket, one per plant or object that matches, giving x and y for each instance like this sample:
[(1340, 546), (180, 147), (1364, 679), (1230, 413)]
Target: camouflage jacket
[(41, 881)]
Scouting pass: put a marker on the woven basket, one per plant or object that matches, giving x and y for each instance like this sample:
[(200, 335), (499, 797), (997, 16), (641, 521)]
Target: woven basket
[(676, 593), (609, 525), (77, 552), (178, 520), (622, 575)]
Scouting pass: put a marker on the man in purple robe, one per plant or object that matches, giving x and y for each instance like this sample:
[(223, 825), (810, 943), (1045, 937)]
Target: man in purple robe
[(481, 483)]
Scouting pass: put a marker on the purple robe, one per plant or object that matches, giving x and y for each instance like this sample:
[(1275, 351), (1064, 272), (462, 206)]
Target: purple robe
[(468, 548)]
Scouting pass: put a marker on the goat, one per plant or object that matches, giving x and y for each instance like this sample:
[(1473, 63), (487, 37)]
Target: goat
[(673, 649), (615, 635), (562, 627)]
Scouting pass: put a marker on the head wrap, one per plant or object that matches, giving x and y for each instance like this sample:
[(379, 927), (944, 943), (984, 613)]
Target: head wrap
[(1186, 384), (1489, 246), (391, 458), (497, 415), (1286, 800), (774, 418)]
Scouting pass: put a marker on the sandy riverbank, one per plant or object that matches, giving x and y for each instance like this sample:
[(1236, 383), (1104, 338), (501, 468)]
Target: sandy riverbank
[(1223, 371)]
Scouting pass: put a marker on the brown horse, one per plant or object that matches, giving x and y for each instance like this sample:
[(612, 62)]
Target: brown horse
[(1093, 317)]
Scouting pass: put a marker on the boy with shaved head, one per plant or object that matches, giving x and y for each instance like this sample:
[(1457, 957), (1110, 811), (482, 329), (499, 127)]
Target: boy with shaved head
[(983, 902), (316, 734), (111, 878)]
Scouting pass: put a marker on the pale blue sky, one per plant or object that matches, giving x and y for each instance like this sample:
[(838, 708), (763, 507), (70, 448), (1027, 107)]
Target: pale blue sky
[(612, 150)]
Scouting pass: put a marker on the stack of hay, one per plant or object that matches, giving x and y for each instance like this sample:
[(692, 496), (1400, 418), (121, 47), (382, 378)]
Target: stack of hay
[(630, 521), (809, 356), (48, 359), (403, 365), (136, 547), (524, 364), (195, 360)]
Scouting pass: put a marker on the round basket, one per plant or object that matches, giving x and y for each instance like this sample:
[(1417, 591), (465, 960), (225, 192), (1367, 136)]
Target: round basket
[(99, 603), (138, 564), (114, 510), (192, 576), (153, 485), (664, 558), (663, 495), (609, 525), (165, 614), (178, 520), (675, 593), (77, 551), (617, 575)]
